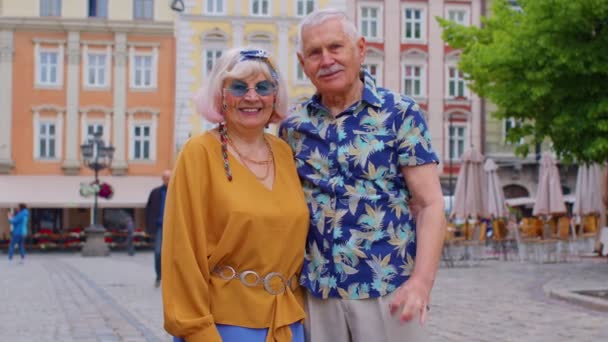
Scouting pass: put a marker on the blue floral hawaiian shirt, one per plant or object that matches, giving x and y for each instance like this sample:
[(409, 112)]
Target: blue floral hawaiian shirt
[(362, 238)]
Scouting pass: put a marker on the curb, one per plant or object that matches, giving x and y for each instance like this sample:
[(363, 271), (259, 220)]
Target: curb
[(578, 299)]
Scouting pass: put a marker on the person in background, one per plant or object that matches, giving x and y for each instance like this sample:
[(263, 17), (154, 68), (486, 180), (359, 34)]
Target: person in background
[(155, 208), (238, 216), (363, 154), (19, 221), (130, 227)]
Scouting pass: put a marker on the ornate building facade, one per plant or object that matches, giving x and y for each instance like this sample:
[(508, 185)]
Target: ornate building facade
[(208, 27), (68, 69)]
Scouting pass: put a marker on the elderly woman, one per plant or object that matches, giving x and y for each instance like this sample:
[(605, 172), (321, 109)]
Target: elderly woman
[(236, 219)]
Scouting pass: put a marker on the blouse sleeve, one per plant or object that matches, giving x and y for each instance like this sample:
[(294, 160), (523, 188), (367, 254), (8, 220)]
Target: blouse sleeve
[(185, 250)]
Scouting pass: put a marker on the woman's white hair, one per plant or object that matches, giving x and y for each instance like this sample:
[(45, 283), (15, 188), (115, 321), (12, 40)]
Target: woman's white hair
[(316, 18), (209, 98)]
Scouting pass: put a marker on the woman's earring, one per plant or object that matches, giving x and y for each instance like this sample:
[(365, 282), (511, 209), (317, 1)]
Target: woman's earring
[(224, 106)]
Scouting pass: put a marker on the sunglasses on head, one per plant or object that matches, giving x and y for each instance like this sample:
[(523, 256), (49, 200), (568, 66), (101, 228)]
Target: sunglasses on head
[(239, 88)]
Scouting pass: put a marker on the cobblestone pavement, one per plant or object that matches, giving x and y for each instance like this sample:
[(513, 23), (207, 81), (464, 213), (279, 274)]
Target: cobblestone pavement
[(68, 298)]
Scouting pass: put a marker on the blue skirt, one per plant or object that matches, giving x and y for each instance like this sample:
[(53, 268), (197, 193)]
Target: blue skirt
[(231, 333)]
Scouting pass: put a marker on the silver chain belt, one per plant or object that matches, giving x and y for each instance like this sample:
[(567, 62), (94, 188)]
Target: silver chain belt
[(252, 279)]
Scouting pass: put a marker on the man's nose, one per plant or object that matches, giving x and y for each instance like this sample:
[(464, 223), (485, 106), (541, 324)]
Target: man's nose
[(327, 58)]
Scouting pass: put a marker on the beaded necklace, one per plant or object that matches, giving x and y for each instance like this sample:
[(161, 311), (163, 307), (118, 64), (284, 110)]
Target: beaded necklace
[(226, 140)]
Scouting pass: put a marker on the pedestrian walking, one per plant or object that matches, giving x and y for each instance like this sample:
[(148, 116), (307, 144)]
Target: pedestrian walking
[(363, 154), (238, 215), (155, 208), (19, 222)]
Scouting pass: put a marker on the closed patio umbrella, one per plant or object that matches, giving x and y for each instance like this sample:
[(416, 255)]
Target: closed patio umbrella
[(470, 193), (588, 196), (496, 197), (549, 196)]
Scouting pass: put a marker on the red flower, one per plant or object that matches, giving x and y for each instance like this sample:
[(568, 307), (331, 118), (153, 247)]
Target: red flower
[(105, 191)]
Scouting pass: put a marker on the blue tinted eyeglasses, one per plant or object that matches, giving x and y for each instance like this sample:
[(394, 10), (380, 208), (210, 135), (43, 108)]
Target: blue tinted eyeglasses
[(262, 88)]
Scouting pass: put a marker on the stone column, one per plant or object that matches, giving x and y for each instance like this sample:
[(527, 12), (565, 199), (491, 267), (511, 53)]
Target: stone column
[(241, 7), (283, 55), (119, 164), (238, 33), (71, 162), (436, 81), (6, 100), (392, 45)]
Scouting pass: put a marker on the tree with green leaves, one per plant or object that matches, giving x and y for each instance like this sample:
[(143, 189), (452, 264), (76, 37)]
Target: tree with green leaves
[(545, 64)]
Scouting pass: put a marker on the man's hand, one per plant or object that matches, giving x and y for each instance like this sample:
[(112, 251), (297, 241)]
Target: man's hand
[(411, 300)]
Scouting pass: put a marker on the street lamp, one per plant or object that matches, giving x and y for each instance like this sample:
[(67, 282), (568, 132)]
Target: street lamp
[(96, 156), (177, 5)]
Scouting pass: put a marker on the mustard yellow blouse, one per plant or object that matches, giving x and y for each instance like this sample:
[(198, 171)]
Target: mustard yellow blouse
[(210, 222)]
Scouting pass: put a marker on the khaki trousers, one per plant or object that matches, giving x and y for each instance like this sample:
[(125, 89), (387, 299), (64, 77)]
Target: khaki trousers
[(357, 320)]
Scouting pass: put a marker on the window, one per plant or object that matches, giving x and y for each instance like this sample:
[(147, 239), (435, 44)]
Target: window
[(50, 8), (374, 69), (413, 84), (143, 71), (414, 24), (215, 7), (96, 70), (515, 6), (50, 67), (456, 85), (98, 8), (458, 16), (93, 128), (46, 219), (304, 7), (143, 9), (370, 27), (508, 124), (143, 68), (300, 75), (141, 142), (260, 7), (210, 56), (46, 140), (456, 140)]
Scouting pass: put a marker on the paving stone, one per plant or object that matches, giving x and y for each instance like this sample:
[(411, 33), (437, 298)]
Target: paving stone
[(59, 297)]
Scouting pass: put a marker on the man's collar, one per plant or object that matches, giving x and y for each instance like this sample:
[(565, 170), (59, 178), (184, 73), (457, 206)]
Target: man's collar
[(369, 95)]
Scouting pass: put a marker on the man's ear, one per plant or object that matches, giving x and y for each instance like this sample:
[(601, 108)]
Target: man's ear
[(361, 47), (301, 61)]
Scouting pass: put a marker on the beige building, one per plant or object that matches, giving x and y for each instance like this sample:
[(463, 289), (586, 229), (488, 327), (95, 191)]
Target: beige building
[(209, 27)]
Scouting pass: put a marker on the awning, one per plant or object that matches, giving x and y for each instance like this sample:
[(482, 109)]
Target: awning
[(517, 201), (529, 201), (64, 191)]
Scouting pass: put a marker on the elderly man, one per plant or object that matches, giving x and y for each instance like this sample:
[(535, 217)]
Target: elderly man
[(365, 161)]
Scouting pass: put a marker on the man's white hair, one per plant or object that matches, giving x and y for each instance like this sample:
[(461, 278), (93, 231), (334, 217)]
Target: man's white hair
[(319, 17)]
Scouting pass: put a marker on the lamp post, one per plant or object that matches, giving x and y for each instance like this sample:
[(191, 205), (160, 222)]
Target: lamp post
[(96, 156), (177, 5)]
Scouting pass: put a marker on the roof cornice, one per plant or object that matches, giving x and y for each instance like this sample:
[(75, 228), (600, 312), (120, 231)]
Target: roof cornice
[(87, 25)]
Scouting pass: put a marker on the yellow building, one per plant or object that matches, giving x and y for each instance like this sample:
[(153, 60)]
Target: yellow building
[(208, 27)]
